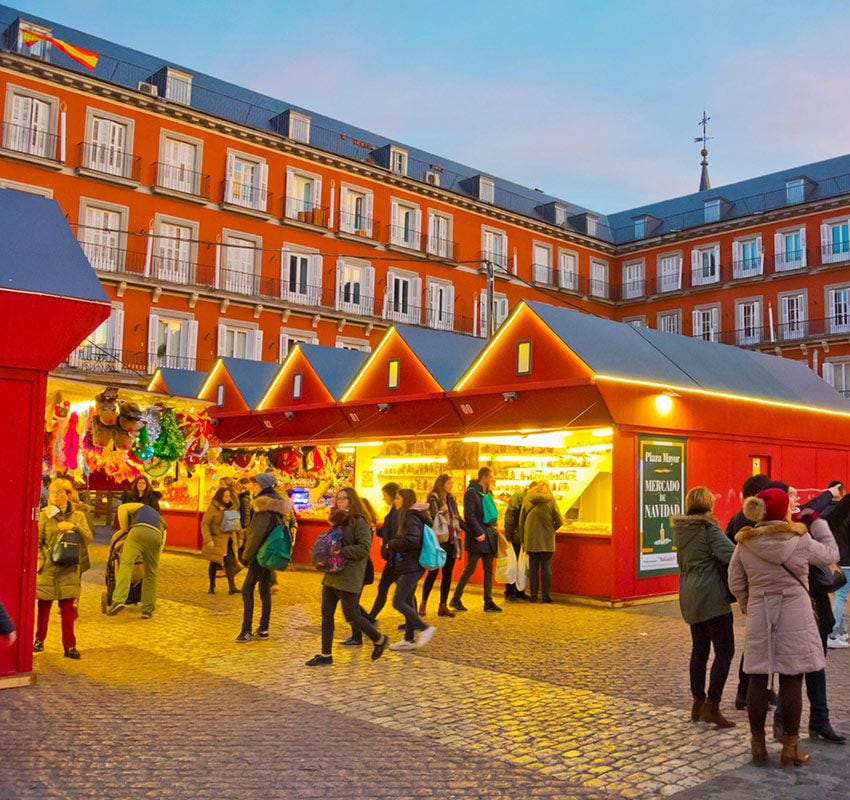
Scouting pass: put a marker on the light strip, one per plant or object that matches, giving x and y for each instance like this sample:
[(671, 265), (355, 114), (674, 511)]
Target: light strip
[(602, 432), (360, 444), (724, 395), (366, 364), (277, 378), (591, 448), (208, 381), (387, 461), (473, 367)]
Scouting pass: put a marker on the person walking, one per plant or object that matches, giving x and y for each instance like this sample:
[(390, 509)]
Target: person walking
[(221, 527), (268, 510), (480, 515), (344, 587), (386, 531), (513, 533), (539, 518), (442, 507), (406, 543), (356, 636), (767, 575), (142, 492), (703, 553), (56, 581)]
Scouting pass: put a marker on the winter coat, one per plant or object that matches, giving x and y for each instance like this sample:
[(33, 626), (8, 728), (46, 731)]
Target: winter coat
[(245, 508), (703, 553), (268, 510), (781, 632), (740, 520), (215, 539), (356, 544), (512, 524), (387, 532), (839, 524), (538, 521), (473, 512), (149, 498), (53, 581), (407, 544)]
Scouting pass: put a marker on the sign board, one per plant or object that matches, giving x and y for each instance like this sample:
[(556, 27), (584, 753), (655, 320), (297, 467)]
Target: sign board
[(661, 494)]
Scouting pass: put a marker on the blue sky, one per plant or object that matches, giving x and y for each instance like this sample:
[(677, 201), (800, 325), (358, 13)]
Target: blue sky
[(596, 102)]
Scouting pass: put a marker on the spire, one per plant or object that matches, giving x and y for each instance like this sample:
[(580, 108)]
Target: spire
[(704, 180)]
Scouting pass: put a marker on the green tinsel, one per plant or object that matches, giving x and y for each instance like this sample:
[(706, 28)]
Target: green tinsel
[(171, 443), (143, 448)]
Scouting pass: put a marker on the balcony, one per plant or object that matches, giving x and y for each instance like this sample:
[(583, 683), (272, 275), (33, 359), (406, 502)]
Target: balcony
[(633, 289), (182, 180), (789, 260), (543, 274), (30, 141), (356, 224), (113, 259), (835, 252), (498, 259), (441, 248), (172, 269), (109, 161), (751, 267), (245, 196), (299, 210), (91, 357), (406, 237)]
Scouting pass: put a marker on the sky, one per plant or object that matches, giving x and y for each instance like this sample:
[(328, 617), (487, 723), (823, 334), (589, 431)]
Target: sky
[(595, 102)]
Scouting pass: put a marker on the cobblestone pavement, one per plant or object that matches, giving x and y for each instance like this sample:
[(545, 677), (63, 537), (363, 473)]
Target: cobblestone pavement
[(560, 701)]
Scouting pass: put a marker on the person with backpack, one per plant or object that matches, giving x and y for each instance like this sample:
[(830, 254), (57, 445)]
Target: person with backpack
[(406, 544), (344, 586), (268, 511), (442, 507), (221, 527), (513, 533)]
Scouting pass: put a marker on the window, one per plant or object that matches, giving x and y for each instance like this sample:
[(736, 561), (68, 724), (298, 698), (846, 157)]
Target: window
[(598, 278), (350, 343), (795, 191), (180, 160), (836, 371), (441, 304), (40, 191), (30, 123), (792, 315), (39, 48), (633, 279), (178, 86), (635, 322), (247, 182), (835, 241), (669, 273), (706, 323), (748, 317), (398, 161), (102, 234), (405, 225), (299, 127), (541, 264), (640, 227), (439, 235), (101, 351), (289, 337), (172, 340), (747, 258), (392, 373), (494, 248), (297, 385), (705, 265), (486, 190), (354, 287), (712, 210), (523, 358), (560, 214), (173, 248), (109, 145), (355, 211), (304, 198), (402, 299), (500, 302), (568, 270), (301, 278), (670, 321), (592, 224), (790, 247), (237, 340), (838, 310), (239, 264)]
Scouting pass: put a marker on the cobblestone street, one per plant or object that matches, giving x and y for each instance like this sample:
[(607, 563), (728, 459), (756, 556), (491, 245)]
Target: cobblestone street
[(561, 701)]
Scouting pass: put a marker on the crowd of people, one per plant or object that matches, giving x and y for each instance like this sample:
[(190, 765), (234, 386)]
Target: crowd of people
[(778, 561)]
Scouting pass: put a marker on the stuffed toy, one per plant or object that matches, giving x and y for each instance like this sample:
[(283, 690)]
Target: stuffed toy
[(129, 421), (104, 421)]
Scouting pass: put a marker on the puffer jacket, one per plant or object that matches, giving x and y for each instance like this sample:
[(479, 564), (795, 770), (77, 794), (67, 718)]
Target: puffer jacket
[(215, 539), (703, 553), (269, 509), (407, 544), (475, 526), (54, 582), (781, 635), (356, 544), (538, 521)]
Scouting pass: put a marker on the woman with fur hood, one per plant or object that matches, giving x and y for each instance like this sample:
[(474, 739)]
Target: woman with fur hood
[(768, 575), (703, 553)]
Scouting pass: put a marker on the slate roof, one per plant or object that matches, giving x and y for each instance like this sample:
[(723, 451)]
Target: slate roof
[(38, 250), (335, 366), (445, 355), (644, 354), (252, 378), (182, 382)]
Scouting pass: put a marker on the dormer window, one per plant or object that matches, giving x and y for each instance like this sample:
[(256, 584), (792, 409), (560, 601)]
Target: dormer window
[(592, 224), (178, 86), (560, 214), (486, 190), (712, 210), (795, 191), (298, 127), (640, 227), (398, 161), (39, 48)]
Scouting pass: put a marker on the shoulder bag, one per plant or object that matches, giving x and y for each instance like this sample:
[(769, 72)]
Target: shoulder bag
[(66, 549)]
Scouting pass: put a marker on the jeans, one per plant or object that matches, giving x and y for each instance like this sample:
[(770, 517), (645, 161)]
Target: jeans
[(66, 609), (405, 603), (350, 602), (229, 567), (486, 560), (717, 631), (539, 570), (388, 577), (262, 576), (446, 582), (790, 702), (838, 603), (145, 542)]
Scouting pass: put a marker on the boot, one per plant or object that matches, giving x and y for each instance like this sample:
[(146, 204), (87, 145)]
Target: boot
[(711, 713), (444, 611), (211, 590), (423, 609), (791, 756), (696, 709), (758, 747)]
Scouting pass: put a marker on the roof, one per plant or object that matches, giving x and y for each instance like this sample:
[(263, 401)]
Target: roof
[(39, 253), (182, 382), (252, 378), (335, 366), (445, 355), (644, 354)]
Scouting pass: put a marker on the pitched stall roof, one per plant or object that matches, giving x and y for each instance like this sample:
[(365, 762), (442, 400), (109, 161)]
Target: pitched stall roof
[(181, 382), (334, 366), (249, 378), (445, 355)]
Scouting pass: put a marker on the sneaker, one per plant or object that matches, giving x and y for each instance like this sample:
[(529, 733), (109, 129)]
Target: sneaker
[(837, 644), (492, 607), (245, 636), (115, 608), (260, 634), (72, 652), (547, 599), (426, 636), (843, 636), (352, 641), (147, 614), (403, 646), (234, 590), (320, 661), (458, 606), (38, 646)]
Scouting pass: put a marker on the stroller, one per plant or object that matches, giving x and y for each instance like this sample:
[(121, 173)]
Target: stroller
[(134, 597)]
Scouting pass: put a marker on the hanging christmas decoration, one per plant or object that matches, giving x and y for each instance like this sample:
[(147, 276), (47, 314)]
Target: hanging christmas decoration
[(142, 448), (171, 443)]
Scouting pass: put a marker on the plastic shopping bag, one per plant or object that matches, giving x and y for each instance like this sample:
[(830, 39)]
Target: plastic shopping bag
[(522, 571), (506, 567)]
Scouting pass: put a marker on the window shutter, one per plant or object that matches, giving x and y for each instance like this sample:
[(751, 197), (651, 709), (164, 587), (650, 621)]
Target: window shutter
[(829, 373), (483, 313), (368, 291), (696, 316), (824, 243), (315, 279), (760, 248), (417, 228), (391, 276), (779, 247), (231, 193), (449, 307), (262, 176), (191, 343), (678, 265), (116, 330), (736, 258), (153, 324), (222, 340), (290, 211), (696, 266), (395, 233), (284, 272), (369, 204), (416, 301), (803, 262), (21, 111), (340, 268), (257, 345), (317, 193), (345, 218), (715, 324)]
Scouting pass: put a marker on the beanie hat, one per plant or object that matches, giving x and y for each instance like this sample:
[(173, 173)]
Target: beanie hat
[(771, 504), (265, 481)]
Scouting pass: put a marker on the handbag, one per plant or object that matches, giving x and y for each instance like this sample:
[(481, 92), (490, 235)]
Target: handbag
[(66, 549), (442, 527), (231, 521), (824, 581)]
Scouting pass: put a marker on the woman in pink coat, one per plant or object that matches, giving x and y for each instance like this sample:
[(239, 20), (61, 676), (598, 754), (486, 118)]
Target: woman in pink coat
[(768, 575)]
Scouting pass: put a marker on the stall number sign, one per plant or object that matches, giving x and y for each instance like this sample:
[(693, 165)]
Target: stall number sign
[(661, 494)]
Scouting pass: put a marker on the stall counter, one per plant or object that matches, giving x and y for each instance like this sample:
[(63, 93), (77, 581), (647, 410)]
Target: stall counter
[(184, 529)]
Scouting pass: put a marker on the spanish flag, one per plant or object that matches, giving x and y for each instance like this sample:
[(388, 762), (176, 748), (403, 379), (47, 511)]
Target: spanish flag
[(82, 56)]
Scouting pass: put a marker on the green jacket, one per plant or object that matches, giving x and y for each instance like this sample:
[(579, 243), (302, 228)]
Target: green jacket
[(538, 521), (703, 553), (54, 582), (356, 544)]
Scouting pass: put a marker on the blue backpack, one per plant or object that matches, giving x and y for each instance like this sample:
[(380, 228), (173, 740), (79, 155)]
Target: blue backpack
[(431, 556)]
